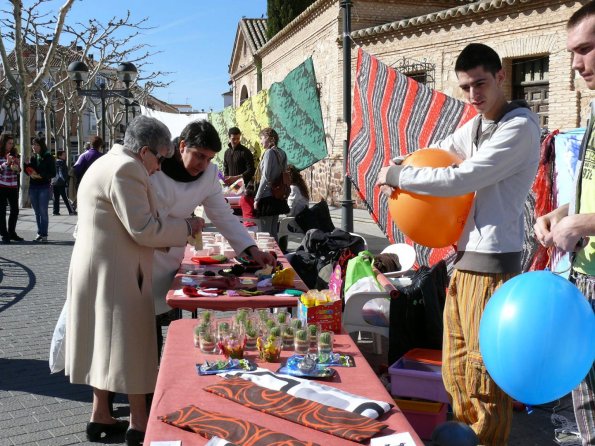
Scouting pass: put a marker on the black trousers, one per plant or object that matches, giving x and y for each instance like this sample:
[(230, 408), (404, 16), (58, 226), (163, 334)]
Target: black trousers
[(9, 196), (60, 191)]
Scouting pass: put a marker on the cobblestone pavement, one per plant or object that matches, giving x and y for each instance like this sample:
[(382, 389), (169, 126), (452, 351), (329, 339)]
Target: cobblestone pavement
[(38, 408)]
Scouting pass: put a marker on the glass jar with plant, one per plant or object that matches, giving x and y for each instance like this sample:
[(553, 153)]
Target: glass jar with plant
[(301, 344), (270, 345)]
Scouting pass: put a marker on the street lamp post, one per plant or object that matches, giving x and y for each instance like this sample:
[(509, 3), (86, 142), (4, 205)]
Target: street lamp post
[(127, 73)]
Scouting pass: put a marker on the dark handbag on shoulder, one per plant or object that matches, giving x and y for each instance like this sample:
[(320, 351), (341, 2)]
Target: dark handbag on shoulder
[(280, 187)]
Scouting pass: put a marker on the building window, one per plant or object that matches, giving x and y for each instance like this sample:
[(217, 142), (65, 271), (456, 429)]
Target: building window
[(530, 81), (243, 94), (39, 122), (420, 71)]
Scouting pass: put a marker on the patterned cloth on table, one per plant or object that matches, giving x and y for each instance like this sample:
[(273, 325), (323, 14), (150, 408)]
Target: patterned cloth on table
[(308, 413), (313, 391), (239, 432)]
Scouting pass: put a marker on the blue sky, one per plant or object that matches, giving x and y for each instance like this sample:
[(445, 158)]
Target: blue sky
[(195, 38)]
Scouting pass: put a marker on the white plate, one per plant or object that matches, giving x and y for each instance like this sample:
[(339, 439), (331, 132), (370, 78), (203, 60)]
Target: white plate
[(406, 254)]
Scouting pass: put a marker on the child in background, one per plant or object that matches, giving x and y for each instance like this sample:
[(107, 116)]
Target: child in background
[(247, 205)]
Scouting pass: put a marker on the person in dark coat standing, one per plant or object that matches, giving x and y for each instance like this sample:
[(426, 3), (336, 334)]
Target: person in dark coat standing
[(238, 161), (60, 184)]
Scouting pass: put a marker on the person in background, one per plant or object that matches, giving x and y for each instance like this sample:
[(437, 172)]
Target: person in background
[(299, 197), (187, 180), (247, 205), (110, 341), (89, 157), (298, 200), (41, 170), (500, 152), (238, 161), (9, 188), (571, 227), (60, 184), (273, 162)]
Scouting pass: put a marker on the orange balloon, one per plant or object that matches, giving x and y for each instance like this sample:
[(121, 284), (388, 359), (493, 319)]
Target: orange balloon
[(430, 221)]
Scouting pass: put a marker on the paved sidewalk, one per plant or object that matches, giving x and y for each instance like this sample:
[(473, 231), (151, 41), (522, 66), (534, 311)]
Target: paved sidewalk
[(37, 408)]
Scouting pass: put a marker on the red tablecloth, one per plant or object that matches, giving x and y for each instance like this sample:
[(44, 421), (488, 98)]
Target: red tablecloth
[(179, 385)]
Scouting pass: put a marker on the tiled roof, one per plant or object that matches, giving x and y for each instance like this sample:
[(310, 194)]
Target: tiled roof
[(63, 55), (255, 32), (434, 17)]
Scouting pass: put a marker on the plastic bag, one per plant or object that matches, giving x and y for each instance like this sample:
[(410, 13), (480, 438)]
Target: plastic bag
[(56, 360), (359, 276)]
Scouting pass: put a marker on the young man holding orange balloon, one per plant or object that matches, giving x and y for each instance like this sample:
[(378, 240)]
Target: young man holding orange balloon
[(499, 150), (571, 227)]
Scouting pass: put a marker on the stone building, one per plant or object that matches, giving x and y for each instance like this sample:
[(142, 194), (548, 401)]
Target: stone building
[(420, 39)]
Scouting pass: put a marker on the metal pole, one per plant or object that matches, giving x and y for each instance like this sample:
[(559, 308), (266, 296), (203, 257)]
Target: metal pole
[(102, 90), (347, 202)]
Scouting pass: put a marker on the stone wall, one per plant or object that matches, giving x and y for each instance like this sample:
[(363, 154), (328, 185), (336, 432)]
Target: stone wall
[(535, 28)]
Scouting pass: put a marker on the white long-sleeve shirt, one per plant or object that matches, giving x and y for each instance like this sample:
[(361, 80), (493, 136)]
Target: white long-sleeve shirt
[(500, 169), (179, 199)]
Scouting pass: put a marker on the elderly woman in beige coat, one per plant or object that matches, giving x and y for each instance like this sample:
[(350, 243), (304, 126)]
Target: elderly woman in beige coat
[(111, 337)]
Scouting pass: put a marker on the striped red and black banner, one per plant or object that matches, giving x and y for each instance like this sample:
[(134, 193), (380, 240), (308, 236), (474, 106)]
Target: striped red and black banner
[(394, 115)]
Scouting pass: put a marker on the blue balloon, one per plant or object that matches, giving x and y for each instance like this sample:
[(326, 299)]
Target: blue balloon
[(537, 337), (454, 433)]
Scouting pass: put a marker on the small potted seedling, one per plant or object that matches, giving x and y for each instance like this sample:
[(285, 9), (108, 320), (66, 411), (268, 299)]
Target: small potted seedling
[(206, 316), (301, 343), (313, 336), (288, 334), (269, 348), (269, 324), (325, 346), (296, 324), (232, 344), (198, 329), (207, 342), (222, 330), (282, 317), (251, 337)]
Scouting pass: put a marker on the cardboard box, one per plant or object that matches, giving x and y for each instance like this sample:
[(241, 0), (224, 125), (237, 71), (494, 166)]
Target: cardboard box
[(327, 315)]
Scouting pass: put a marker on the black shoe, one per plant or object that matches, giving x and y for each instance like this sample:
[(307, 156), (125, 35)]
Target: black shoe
[(95, 430), (16, 238), (6, 239), (73, 213), (56, 213), (134, 437)]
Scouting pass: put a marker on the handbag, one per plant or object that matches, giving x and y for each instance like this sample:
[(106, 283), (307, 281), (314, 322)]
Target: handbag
[(360, 276), (57, 347), (280, 187)]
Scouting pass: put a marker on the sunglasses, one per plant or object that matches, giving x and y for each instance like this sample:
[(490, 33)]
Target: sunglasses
[(158, 156)]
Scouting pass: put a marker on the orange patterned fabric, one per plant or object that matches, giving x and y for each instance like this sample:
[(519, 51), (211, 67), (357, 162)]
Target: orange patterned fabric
[(240, 432), (338, 422)]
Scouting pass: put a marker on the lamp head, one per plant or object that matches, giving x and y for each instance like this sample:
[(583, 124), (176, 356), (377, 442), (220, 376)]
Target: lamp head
[(127, 73), (78, 72)]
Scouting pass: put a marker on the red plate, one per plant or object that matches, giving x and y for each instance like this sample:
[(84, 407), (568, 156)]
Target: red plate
[(205, 260)]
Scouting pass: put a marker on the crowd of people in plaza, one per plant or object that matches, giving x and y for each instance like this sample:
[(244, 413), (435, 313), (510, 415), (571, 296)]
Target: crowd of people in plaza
[(136, 203)]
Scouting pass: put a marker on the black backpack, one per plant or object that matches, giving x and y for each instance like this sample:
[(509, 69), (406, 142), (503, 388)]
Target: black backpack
[(314, 258)]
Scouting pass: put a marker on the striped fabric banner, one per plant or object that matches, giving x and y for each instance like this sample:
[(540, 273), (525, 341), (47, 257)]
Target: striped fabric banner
[(394, 115)]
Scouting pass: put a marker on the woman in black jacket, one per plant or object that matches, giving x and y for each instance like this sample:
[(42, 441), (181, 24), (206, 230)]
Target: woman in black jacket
[(60, 184), (41, 170)]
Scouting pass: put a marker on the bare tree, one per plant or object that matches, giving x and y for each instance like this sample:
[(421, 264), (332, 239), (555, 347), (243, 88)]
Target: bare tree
[(30, 28)]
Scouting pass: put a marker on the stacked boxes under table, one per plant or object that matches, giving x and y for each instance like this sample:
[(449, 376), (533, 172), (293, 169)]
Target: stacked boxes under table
[(418, 375)]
